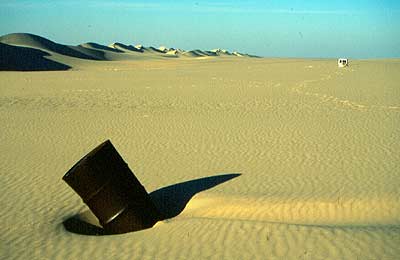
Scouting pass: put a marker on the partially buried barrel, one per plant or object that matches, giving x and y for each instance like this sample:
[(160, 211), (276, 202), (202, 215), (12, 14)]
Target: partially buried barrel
[(112, 192)]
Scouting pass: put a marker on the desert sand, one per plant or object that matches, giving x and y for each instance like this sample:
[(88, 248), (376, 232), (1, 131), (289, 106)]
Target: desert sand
[(259, 158)]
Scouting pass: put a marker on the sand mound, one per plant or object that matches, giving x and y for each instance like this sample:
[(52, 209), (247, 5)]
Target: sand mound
[(172, 52), (209, 53), (238, 54), (199, 53), (26, 59), (221, 52), (124, 48), (139, 46), (92, 45), (153, 50), (35, 41), (192, 54), (90, 54), (163, 49)]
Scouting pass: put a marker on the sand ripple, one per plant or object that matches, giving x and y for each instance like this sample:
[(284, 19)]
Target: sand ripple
[(318, 157)]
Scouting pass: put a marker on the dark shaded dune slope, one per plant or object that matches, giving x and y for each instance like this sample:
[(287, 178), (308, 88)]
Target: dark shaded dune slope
[(15, 58), (35, 41)]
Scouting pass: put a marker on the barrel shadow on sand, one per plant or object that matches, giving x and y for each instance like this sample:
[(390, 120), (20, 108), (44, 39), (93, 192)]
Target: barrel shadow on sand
[(170, 201)]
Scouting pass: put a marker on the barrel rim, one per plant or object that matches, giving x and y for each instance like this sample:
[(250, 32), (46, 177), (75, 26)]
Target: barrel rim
[(71, 171)]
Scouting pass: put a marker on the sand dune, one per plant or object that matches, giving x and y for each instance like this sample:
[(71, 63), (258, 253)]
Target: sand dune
[(220, 52), (163, 49), (70, 55), (26, 59), (35, 41), (237, 54), (194, 53), (199, 53), (172, 52), (125, 48), (139, 46), (248, 158), (209, 53), (154, 50), (93, 45)]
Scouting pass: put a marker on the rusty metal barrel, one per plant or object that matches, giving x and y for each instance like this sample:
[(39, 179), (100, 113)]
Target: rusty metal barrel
[(112, 192)]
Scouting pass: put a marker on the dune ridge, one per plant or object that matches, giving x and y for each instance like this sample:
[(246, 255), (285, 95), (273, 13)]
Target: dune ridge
[(93, 45), (125, 48), (97, 52), (35, 41)]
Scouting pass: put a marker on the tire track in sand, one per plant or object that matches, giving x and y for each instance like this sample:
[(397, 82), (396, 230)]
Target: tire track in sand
[(302, 89)]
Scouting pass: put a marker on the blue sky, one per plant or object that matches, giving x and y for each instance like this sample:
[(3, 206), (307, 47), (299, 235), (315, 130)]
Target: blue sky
[(355, 29)]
